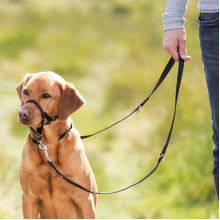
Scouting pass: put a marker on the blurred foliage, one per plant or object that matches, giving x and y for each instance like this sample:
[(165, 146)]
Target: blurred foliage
[(112, 52)]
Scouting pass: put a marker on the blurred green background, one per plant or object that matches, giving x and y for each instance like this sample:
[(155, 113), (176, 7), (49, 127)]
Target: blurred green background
[(112, 52)]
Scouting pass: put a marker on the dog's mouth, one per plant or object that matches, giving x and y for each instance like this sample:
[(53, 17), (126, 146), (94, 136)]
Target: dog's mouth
[(23, 121)]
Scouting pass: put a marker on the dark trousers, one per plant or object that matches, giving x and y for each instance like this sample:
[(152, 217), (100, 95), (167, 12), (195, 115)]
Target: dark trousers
[(209, 42)]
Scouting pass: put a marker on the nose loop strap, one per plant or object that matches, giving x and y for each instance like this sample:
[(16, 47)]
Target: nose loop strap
[(38, 133), (39, 107), (43, 116)]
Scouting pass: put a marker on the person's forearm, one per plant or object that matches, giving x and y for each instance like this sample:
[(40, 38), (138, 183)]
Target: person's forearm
[(174, 15)]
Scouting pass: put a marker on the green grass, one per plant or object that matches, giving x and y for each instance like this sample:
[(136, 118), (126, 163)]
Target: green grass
[(112, 52)]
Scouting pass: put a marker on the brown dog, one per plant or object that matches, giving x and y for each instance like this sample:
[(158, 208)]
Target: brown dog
[(45, 194)]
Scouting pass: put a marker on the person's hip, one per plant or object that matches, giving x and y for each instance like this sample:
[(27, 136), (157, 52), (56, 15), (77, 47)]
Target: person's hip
[(208, 19)]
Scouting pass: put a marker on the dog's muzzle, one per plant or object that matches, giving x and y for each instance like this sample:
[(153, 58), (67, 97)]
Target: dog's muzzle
[(43, 116)]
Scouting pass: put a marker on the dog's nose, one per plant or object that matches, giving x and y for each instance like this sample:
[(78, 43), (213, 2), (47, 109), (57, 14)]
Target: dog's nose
[(24, 113)]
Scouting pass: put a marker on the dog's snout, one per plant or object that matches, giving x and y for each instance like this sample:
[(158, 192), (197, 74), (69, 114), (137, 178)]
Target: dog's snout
[(24, 113)]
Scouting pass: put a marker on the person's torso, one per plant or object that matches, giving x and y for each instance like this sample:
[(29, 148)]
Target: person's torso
[(208, 6)]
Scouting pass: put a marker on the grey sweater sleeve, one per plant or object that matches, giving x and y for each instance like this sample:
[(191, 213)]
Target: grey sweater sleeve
[(174, 14)]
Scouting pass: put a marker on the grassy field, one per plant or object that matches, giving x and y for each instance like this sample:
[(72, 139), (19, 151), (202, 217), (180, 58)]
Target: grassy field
[(112, 52)]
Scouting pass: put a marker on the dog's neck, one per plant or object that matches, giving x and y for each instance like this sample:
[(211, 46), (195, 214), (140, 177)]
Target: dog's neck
[(52, 132)]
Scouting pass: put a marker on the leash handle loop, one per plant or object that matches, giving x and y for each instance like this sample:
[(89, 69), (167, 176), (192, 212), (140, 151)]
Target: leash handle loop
[(178, 82)]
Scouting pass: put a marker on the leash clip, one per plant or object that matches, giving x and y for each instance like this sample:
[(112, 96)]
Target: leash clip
[(44, 148)]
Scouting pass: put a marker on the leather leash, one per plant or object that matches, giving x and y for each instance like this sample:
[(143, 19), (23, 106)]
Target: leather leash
[(162, 77)]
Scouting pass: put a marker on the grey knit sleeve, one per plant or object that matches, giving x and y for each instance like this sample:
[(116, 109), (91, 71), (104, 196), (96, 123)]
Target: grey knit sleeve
[(174, 14)]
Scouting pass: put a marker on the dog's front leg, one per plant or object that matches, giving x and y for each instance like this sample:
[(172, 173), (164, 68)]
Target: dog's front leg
[(29, 206), (88, 207)]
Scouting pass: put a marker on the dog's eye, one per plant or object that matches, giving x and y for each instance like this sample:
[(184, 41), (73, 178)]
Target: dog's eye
[(45, 96), (25, 92)]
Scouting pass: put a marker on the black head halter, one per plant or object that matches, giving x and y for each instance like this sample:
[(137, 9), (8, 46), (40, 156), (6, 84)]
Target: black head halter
[(44, 115)]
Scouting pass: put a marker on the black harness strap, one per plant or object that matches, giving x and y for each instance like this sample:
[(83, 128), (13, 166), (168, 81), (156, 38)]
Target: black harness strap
[(164, 74), (63, 135), (59, 139), (44, 115)]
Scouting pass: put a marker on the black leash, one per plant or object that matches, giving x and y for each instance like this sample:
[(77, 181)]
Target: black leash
[(162, 77)]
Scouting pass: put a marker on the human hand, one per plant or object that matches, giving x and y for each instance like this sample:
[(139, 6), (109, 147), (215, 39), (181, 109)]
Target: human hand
[(174, 38)]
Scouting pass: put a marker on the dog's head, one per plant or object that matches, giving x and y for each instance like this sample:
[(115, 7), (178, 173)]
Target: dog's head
[(56, 97)]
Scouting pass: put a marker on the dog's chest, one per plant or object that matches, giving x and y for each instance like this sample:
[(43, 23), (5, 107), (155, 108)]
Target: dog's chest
[(53, 194), (43, 181)]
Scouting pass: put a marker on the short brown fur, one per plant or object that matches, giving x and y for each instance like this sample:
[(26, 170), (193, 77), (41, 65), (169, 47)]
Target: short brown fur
[(45, 194)]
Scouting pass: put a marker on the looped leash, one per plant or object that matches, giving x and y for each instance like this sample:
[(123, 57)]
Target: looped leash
[(162, 77)]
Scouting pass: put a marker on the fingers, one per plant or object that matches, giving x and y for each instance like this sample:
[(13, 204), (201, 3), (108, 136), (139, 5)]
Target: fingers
[(170, 43), (174, 39), (173, 51), (182, 49)]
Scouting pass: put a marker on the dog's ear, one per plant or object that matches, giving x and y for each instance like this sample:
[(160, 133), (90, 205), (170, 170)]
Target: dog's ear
[(22, 83), (70, 101)]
